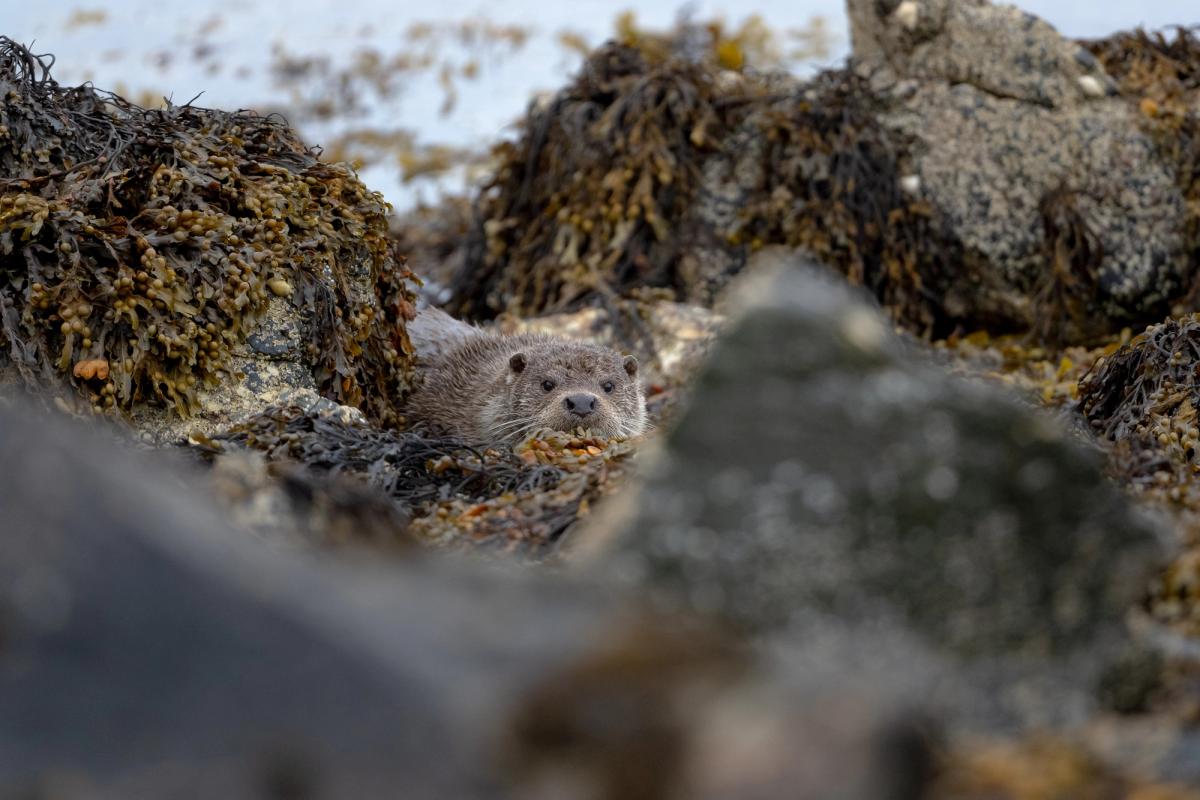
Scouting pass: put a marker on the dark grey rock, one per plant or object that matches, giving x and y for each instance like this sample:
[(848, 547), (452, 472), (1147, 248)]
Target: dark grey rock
[(825, 484), (147, 650)]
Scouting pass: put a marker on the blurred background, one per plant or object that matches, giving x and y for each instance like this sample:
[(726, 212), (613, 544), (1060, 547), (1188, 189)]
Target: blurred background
[(415, 93)]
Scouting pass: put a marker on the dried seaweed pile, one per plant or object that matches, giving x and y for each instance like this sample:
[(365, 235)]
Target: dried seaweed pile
[(139, 247), (455, 493), (1163, 73), (589, 201), (1143, 400)]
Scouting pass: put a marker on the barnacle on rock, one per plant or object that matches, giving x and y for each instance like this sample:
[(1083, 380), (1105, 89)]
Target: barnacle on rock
[(153, 239)]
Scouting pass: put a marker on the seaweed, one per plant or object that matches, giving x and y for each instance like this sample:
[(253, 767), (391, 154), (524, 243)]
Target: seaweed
[(395, 461), (1143, 401), (139, 247), (1151, 377), (1163, 74), (831, 185), (1068, 296), (455, 493), (604, 193), (588, 201)]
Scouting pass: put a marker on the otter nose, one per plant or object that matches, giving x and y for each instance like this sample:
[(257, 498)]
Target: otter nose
[(580, 404)]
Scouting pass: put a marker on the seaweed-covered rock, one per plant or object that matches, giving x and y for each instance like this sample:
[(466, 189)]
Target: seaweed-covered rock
[(970, 166), (1029, 159), (824, 484), (591, 198), (694, 167), (185, 259)]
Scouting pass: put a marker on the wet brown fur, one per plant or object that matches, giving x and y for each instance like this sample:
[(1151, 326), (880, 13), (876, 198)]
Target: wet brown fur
[(470, 387)]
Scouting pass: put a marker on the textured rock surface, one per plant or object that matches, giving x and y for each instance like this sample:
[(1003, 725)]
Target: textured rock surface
[(1006, 115), (147, 650), (270, 366), (827, 483)]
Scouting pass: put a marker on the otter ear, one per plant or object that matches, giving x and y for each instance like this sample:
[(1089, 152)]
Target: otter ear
[(518, 362), (631, 365)]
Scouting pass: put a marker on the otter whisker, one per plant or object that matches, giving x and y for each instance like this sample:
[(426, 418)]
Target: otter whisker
[(510, 425), (512, 429)]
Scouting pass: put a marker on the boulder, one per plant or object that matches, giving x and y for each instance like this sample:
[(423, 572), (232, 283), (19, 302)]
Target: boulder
[(148, 649), (826, 485), (184, 266), (1020, 142)]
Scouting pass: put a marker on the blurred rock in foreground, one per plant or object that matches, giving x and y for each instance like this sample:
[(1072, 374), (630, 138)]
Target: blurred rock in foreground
[(828, 488)]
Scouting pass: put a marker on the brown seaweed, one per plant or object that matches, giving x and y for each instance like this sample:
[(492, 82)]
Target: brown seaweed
[(456, 493), (599, 196), (589, 199), (150, 241), (1162, 73)]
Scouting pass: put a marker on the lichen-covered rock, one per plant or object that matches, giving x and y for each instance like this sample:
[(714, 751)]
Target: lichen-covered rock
[(998, 49), (186, 262), (1029, 157), (825, 484)]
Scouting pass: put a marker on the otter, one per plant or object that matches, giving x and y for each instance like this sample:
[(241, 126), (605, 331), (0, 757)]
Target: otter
[(488, 387)]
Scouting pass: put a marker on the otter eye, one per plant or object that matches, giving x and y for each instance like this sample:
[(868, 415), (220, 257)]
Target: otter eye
[(548, 385), (607, 386)]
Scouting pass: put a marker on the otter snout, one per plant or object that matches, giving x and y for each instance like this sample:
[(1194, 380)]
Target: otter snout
[(581, 405)]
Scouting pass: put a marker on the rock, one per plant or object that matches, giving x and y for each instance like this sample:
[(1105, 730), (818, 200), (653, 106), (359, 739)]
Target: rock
[(184, 266), (664, 713), (146, 649), (827, 486), (1007, 118), (998, 49)]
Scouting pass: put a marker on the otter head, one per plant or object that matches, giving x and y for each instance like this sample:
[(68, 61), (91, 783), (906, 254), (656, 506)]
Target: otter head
[(566, 385)]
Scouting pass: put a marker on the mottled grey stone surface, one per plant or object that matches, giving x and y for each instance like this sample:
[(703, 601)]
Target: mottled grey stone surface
[(827, 486), (1002, 112), (996, 48)]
